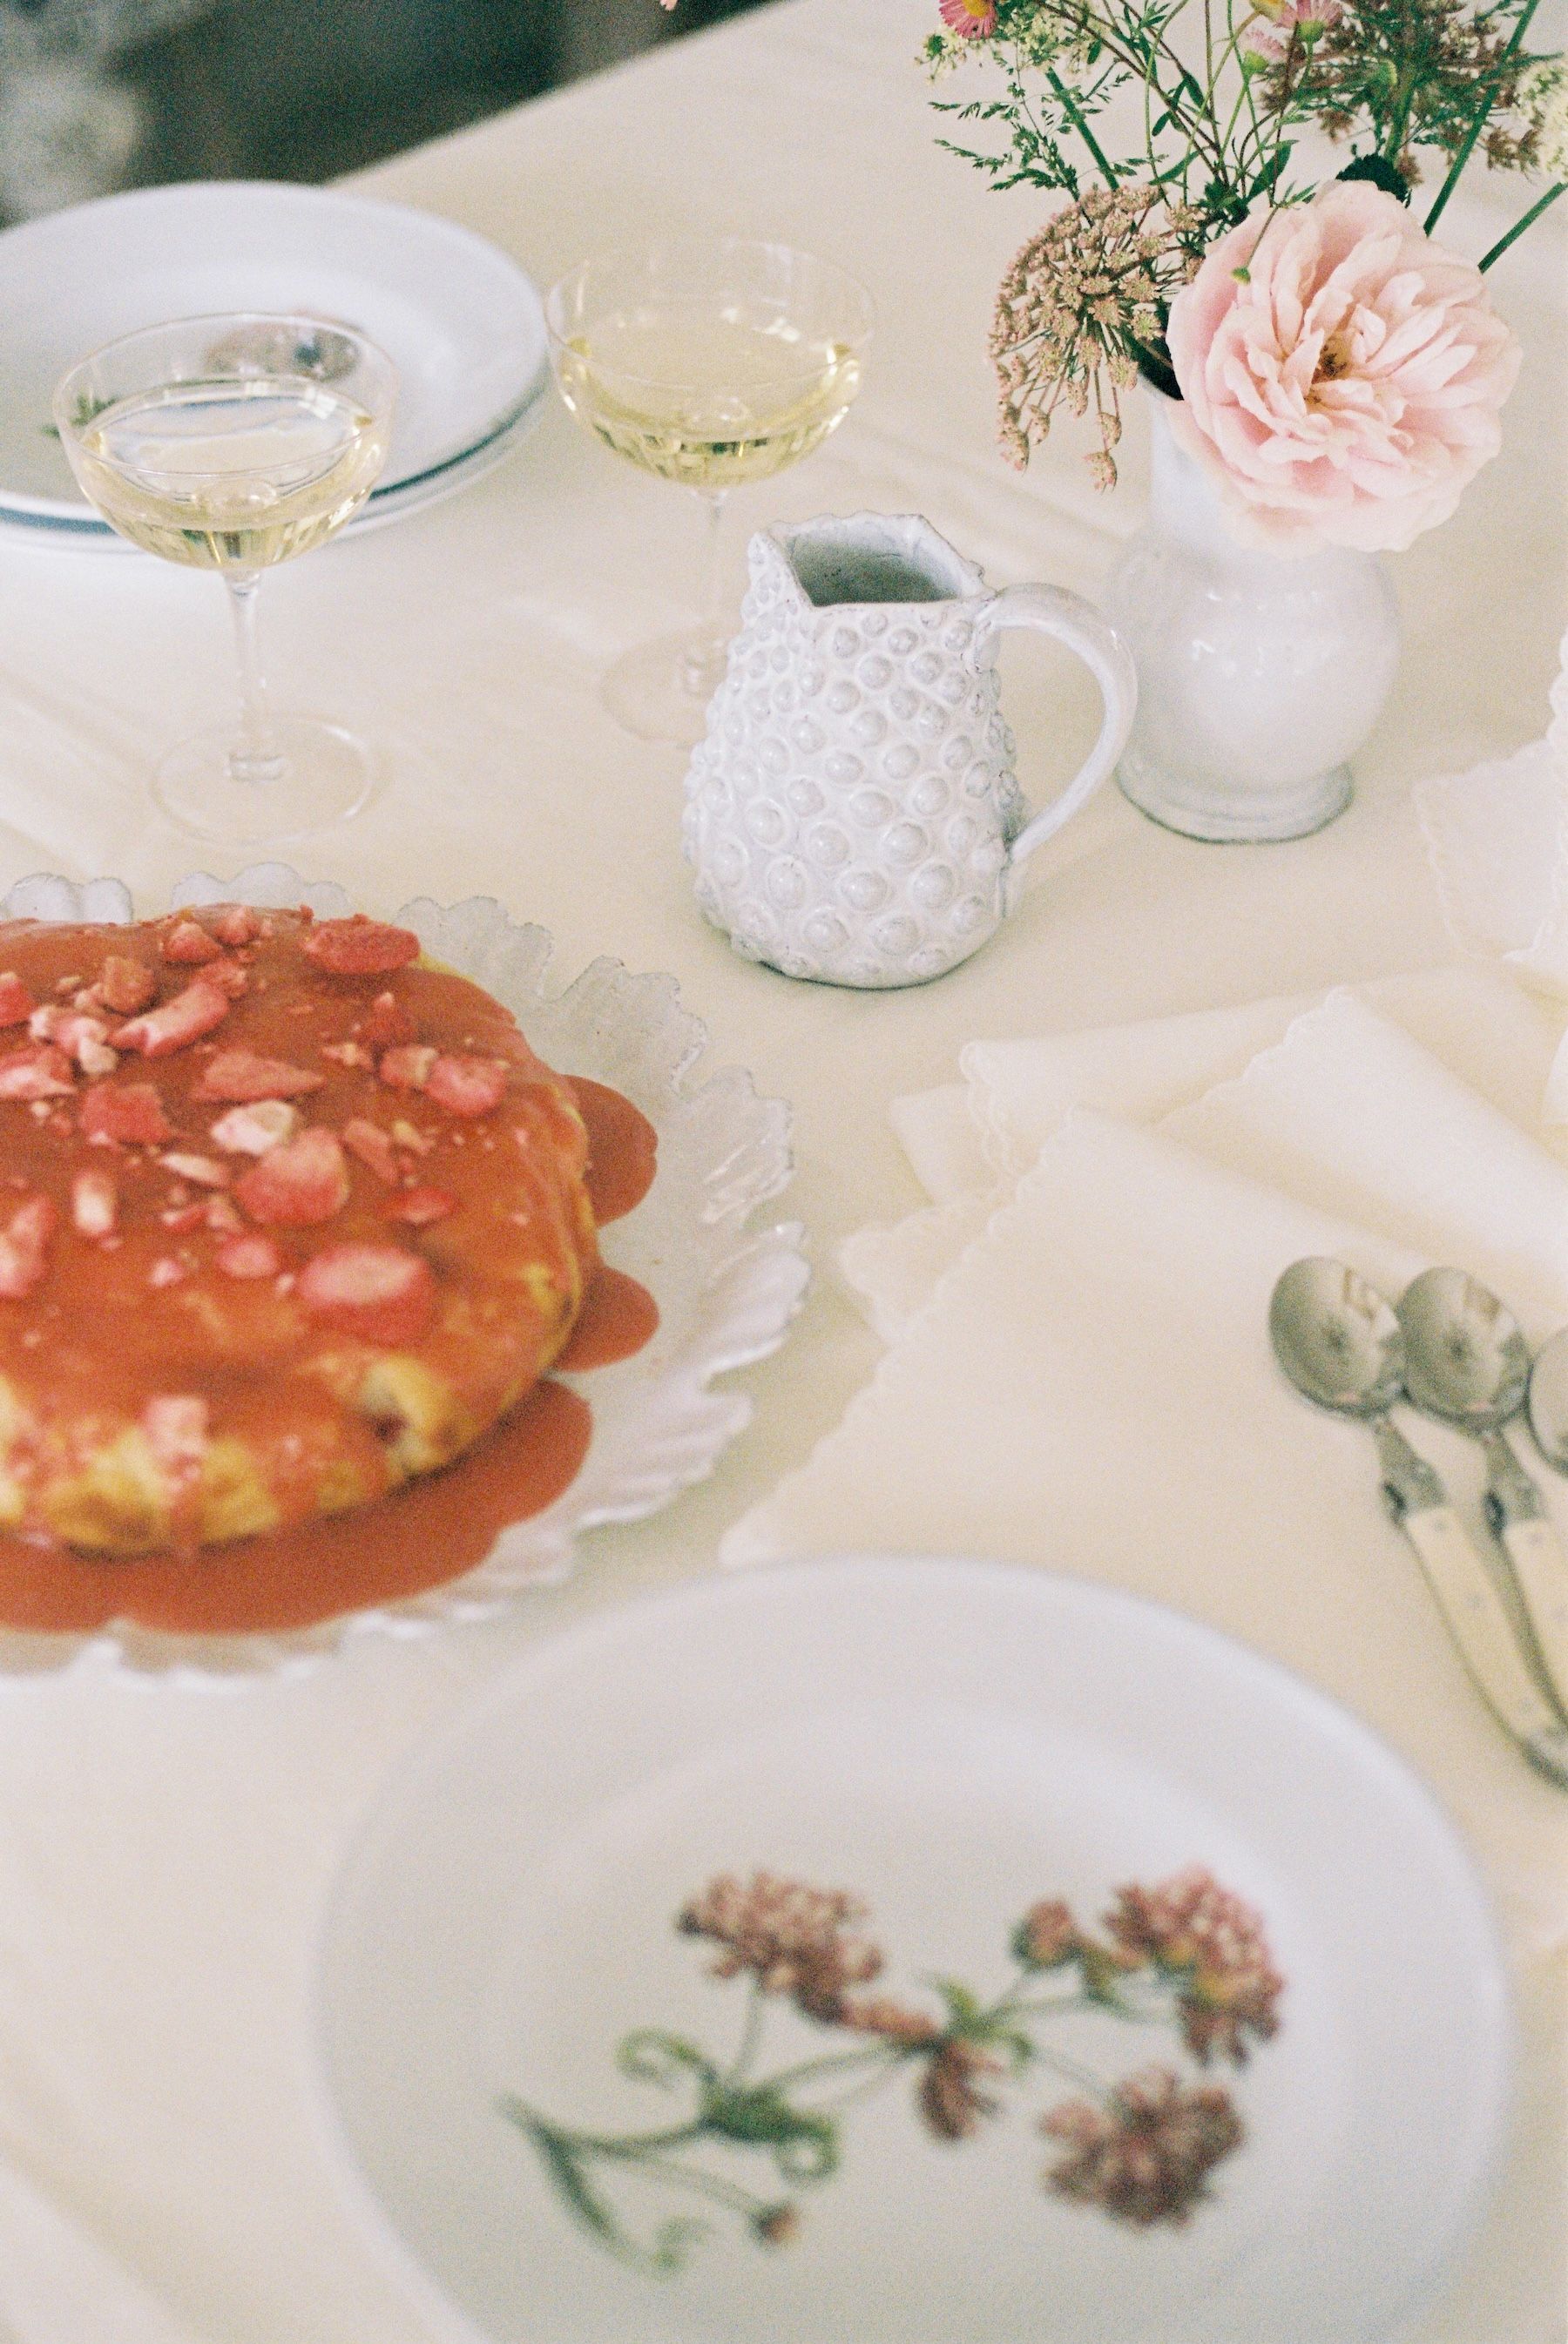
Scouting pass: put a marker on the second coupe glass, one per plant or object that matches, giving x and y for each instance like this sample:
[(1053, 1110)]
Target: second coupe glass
[(231, 443), (706, 363)]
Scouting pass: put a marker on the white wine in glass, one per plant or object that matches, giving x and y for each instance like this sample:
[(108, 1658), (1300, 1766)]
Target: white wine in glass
[(706, 364), (231, 444)]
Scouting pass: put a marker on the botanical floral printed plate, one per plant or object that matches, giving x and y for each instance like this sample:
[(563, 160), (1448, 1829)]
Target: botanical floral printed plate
[(912, 1953)]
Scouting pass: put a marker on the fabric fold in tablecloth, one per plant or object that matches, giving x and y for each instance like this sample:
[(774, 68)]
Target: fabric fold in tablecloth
[(1081, 1377), (58, 2286)]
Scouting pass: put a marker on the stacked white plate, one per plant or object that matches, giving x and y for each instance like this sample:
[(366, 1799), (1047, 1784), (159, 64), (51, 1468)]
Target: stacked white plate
[(461, 322)]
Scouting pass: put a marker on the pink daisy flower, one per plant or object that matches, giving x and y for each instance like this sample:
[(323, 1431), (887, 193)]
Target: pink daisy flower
[(972, 20), (1269, 36), (1263, 40)]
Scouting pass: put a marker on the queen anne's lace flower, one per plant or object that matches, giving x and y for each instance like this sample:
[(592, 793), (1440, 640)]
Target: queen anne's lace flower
[(895, 2022), (951, 2099), (1214, 1947), (1078, 301), (1046, 1935), (1145, 2155), (790, 1937), (1547, 102), (1341, 376)]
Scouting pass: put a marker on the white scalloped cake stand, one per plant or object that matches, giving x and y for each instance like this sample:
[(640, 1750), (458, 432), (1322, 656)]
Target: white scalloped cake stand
[(726, 1291)]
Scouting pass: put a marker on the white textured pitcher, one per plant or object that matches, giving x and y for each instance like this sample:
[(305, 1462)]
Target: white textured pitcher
[(853, 814)]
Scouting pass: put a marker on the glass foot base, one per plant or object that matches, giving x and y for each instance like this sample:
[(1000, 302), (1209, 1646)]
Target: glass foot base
[(661, 690), (325, 776)]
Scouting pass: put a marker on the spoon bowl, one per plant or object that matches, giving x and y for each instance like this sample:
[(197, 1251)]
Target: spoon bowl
[(1337, 1339), (1339, 1342), (1547, 1402), (1466, 1360)]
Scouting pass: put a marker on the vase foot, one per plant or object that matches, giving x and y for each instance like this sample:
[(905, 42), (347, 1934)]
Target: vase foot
[(1197, 812)]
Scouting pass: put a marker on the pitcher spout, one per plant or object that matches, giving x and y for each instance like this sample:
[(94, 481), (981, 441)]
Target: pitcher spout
[(863, 558)]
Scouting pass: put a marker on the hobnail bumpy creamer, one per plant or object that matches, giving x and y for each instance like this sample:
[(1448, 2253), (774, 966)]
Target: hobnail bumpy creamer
[(852, 810)]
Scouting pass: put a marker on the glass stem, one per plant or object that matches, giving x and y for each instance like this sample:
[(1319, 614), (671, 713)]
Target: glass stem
[(703, 666), (257, 755)]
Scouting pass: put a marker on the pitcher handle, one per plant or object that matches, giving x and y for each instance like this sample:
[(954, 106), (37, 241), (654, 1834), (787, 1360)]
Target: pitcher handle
[(1082, 627)]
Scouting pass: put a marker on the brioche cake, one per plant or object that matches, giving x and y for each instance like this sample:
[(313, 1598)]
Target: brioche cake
[(287, 1217)]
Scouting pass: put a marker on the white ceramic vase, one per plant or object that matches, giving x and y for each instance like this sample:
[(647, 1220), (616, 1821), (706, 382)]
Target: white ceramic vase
[(1259, 673)]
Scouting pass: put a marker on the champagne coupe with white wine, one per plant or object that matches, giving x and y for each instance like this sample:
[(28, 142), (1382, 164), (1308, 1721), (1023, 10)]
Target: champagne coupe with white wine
[(707, 363), (231, 443)]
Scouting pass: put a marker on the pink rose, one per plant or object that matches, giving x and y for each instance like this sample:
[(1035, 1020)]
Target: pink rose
[(1345, 388)]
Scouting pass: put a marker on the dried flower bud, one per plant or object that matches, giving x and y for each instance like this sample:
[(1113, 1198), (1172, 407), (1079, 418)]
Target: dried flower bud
[(1046, 1936)]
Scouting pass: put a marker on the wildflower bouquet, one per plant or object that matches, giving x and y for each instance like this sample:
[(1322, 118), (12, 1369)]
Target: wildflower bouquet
[(1254, 249)]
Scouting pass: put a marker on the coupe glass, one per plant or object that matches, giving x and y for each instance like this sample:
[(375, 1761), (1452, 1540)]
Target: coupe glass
[(230, 443), (706, 363)]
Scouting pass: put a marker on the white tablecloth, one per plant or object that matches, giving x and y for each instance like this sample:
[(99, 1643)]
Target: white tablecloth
[(165, 1851)]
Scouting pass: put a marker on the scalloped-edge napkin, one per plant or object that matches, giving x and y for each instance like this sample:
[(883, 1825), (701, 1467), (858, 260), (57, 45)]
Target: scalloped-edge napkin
[(970, 1141)]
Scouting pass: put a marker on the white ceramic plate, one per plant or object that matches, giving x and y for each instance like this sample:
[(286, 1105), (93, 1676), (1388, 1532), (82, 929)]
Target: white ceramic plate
[(461, 321), (727, 1281), (953, 1743)]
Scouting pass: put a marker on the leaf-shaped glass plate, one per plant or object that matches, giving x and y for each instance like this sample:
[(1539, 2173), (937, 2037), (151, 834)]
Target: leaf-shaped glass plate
[(727, 1289)]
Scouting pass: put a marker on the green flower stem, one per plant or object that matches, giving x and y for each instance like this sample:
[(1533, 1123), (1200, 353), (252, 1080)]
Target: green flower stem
[(1529, 219), (750, 2036), (870, 2083), (1479, 123), (1071, 2073), (1250, 153), (1201, 134), (707, 2185), (834, 2061), (1148, 129), (1075, 116), (1008, 2000), (1050, 2009), (1399, 107), (625, 2144)]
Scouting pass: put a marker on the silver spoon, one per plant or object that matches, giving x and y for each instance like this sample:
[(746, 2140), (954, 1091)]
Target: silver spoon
[(1467, 1363), (1548, 1400), (1339, 1344)]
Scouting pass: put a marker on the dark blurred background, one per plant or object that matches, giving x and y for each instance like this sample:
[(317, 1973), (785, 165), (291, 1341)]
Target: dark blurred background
[(97, 95)]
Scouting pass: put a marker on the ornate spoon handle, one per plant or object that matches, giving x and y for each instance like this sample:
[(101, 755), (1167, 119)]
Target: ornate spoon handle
[(1471, 1608)]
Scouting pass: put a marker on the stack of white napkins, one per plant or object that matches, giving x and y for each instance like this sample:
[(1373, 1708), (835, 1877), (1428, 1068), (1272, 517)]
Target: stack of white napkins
[(1079, 1374), (1498, 838)]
